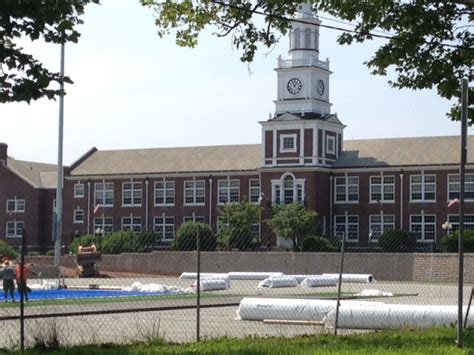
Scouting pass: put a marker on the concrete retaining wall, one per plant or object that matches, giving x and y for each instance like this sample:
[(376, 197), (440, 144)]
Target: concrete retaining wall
[(389, 267)]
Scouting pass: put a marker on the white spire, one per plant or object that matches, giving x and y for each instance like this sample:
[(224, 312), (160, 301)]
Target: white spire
[(305, 11)]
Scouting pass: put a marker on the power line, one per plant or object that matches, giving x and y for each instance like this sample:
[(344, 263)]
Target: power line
[(341, 29)]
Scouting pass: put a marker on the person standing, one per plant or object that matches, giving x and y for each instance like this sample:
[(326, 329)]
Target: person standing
[(7, 273), (21, 284)]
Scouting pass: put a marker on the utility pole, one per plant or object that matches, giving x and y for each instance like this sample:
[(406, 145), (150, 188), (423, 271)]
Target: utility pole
[(59, 187)]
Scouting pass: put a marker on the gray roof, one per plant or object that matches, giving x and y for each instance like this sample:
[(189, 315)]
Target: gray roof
[(416, 151), (171, 160), (39, 175)]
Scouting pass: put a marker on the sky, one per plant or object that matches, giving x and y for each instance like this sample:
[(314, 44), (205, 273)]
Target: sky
[(135, 90)]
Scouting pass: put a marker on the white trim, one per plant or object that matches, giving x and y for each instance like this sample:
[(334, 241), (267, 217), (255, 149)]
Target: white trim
[(465, 190), (346, 187), (346, 226), (282, 145), (194, 190), (382, 224), (74, 219), (165, 189), (132, 223), (228, 188), (333, 139), (76, 185), (132, 191), (423, 223), (259, 190), (382, 187), (15, 226), (103, 193), (16, 202), (423, 188)]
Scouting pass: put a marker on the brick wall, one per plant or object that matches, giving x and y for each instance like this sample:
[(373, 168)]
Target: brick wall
[(385, 267)]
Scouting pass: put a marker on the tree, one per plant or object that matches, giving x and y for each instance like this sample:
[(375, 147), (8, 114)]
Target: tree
[(292, 222), (22, 76), (236, 224), (428, 43), (187, 235), (397, 241)]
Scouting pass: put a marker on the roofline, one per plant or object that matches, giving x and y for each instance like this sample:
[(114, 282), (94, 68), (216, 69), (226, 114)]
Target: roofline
[(82, 158)]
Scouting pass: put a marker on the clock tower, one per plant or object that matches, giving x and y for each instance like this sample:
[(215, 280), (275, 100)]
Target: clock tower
[(303, 79)]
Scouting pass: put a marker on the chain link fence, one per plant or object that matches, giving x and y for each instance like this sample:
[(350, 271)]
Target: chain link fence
[(122, 287)]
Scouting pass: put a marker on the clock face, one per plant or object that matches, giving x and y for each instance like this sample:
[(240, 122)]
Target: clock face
[(320, 87), (294, 86)]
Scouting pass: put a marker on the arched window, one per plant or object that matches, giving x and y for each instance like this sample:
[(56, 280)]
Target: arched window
[(288, 188), (297, 38), (307, 38)]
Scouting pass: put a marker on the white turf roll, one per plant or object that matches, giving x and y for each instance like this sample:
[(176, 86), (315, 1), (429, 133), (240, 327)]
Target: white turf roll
[(212, 284), (193, 275), (289, 309), (319, 281), (300, 278), (252, 275), (395, 316), (278, 281), (354, 278)]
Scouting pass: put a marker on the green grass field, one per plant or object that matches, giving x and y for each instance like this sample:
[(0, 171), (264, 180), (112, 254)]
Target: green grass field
[(434, 341)]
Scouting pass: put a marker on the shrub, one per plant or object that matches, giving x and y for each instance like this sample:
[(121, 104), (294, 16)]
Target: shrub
[(119, 242), (450, 242), (33, 253), (85, 241), (318, 244), (397, 241), (50, 253), (145, 242), (186, 237), (6, 250)]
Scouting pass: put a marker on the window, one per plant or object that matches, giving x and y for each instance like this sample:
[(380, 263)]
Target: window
[(288, 143), (424, 227), (255, 230), (291, 188), (229, 191), (423, 187), (15, 229), (194, 192), (79, 191), (104, 194), (164, 227), (330, 145), (78, 216), (132, 194), (379, 224), (382, 189), (197, 219), (454, 186), (348, 226), (16, 205), (104, 224), (254, 190), (454, 221), (297, 38), (347, 189), (307, 38), (164, 193), (133, 224)]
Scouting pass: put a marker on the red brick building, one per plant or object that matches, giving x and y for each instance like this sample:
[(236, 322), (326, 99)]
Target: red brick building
[(27, 192), (359, 188)]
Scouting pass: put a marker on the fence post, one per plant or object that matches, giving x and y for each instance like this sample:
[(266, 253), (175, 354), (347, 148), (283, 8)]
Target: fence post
[(341, 268), (22, 289), (198, 285)]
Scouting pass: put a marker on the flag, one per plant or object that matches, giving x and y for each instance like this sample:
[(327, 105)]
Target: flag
[(452, 202), (96, 208)]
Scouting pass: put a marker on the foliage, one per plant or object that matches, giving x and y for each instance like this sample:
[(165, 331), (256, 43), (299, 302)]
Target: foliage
[(235, 225), (85, 241), (406, 341), (185, 239), (50, 252), (145, 242), (450, 243), (397, 241), (292, 222), (6, 250), (120, 242), (318, 244), (429, 44), (22, 76)]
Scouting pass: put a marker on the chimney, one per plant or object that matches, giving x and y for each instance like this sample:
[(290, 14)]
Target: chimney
[(3, 153)]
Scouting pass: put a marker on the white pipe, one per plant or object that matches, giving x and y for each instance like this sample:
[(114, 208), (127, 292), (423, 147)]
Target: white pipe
[(193, 275), (289, 309), (319, 281), (252, 275), (395, 316), (300, 278), (278, 281), (354, 278), (212, 284)]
